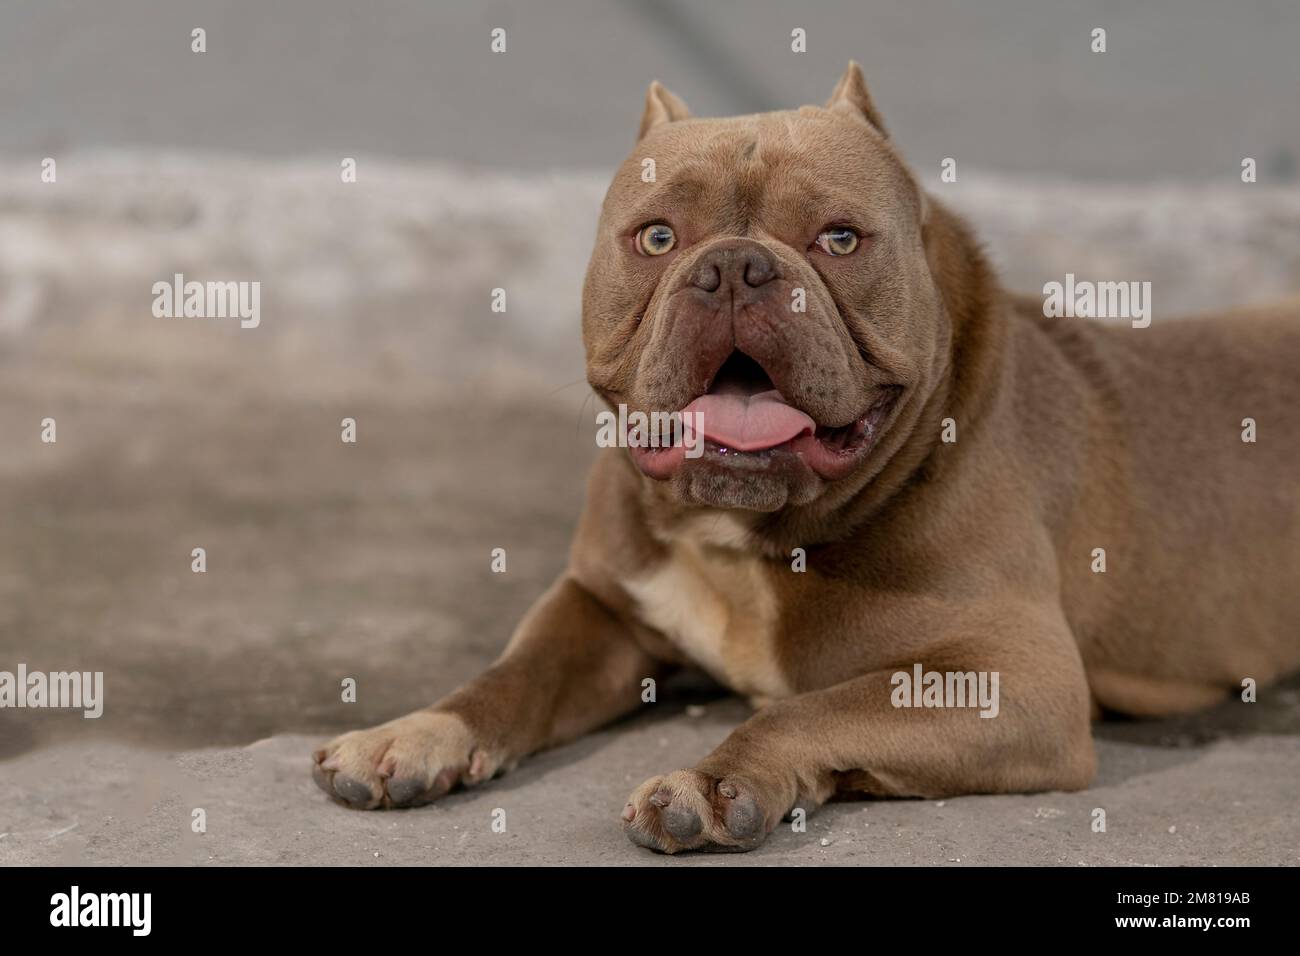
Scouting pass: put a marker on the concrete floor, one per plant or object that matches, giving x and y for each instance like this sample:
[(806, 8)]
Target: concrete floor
[(1169, 798)]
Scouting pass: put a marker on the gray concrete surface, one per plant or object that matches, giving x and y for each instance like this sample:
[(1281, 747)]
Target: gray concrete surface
[(1169, 798), (372, 561), (1225, 803)]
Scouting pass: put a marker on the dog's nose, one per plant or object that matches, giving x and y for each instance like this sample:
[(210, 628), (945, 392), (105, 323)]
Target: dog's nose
[(733, 267)]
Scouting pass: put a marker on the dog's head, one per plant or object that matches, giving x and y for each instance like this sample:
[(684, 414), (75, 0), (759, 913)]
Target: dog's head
[(767, 275)]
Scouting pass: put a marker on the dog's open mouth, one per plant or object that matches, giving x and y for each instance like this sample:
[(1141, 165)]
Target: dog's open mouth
[(745, 423), (743, 411)]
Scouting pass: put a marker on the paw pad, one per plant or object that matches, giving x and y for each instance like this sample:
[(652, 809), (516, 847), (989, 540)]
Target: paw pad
[(690, 810)]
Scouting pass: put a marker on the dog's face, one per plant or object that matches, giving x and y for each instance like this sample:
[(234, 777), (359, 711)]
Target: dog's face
[(765, 274)]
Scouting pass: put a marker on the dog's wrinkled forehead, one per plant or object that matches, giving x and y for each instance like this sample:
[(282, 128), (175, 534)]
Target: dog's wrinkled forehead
[(788, 168), (783, 167)]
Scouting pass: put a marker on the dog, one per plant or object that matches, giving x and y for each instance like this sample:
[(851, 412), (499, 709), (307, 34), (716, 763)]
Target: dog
[(908, 474)]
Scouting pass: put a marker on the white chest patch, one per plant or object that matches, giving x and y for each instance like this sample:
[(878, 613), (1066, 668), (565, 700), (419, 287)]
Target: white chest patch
[(717, 605)]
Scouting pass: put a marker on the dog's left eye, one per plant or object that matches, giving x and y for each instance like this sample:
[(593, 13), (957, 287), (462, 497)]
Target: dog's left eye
[(839, 241)]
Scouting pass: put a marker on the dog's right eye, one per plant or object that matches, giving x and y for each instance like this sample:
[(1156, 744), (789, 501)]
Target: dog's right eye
[(655, 239)]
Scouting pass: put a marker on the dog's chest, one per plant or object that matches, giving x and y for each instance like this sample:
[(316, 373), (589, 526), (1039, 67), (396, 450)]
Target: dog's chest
[(719, 607)]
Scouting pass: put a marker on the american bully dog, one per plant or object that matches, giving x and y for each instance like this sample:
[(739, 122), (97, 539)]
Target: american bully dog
[(931, 533)]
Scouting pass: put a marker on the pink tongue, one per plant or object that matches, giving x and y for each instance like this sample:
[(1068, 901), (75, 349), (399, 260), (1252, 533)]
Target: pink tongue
[(747, 422)]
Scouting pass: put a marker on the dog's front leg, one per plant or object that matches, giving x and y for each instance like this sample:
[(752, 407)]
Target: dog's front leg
[(858, 736), (571, 667)]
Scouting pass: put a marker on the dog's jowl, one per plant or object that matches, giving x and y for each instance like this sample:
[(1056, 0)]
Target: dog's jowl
[(1023, 519)]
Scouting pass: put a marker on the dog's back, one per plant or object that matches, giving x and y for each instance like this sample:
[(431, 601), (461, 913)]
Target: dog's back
[(1185, 488)]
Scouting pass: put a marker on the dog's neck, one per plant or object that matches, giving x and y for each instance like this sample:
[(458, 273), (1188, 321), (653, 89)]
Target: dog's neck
[(975, 303)]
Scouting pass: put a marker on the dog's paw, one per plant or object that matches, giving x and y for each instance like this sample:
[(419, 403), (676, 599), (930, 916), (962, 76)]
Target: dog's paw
[(690, 810), (404, 763)]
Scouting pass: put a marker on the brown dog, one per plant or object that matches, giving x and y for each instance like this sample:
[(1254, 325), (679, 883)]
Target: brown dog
[(913, 485)]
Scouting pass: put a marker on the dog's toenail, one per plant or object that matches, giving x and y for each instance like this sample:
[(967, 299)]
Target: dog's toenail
[(478, 762), (744, 819), (446, 779), (728, 790), (682, 823), (661, 798), (353, 791), (404, 791)]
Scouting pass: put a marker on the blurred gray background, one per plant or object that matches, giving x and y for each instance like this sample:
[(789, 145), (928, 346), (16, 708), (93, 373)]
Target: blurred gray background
[(1186, 87), (475, 428)]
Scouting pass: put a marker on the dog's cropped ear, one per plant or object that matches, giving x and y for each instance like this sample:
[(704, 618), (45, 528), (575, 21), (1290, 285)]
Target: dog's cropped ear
[(661, 106), (851, 97)]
